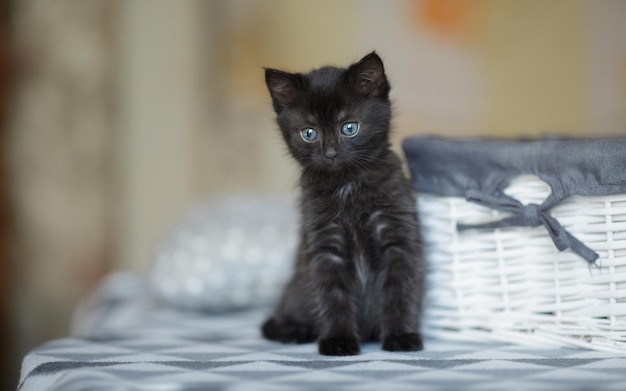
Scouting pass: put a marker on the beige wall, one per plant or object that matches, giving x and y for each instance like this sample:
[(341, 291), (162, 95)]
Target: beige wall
[(159, 87), (60, 141)]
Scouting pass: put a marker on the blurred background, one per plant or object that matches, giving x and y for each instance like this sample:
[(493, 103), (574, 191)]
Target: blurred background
[(117, 115)]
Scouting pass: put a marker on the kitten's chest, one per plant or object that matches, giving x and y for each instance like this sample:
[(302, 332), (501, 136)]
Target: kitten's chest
[(350, 205), (344, 221), (345, 193), (351, 211)]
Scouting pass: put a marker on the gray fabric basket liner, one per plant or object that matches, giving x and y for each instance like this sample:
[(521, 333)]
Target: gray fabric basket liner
[(480, 169)]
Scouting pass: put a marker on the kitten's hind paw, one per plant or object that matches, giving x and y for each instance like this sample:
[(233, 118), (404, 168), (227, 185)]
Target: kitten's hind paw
[(339, 346), (288, 331), (408, 342)]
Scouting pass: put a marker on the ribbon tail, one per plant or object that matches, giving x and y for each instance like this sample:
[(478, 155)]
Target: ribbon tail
[(564, 240), (499, 202), (581, 249)]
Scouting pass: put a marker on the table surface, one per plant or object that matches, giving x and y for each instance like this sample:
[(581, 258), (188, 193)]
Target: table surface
[(133, 344)]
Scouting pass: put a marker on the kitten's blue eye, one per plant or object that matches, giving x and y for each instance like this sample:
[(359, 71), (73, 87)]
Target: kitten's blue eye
[(309, 134), (350, 129)]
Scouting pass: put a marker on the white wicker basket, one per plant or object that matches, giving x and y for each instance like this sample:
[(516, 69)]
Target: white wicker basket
[(498, 276), (512, 284)]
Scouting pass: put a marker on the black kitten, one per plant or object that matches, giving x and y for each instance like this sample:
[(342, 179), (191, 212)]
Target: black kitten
[(358, 275)]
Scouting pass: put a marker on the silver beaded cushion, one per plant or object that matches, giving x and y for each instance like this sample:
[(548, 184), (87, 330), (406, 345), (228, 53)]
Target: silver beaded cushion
[(232, 254)]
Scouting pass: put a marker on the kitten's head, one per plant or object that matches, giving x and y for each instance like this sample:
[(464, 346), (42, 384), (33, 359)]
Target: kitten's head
[(334, 118)]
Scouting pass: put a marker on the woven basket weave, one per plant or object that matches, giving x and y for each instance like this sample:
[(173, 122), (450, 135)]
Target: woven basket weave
[(525, 241), (512, 284)]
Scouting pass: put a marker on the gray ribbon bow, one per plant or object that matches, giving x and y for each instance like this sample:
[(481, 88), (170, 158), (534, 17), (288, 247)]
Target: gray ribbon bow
[(531, 215)]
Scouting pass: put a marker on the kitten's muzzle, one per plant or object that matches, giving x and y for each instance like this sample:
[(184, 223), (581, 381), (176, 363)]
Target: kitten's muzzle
[(330, 153)]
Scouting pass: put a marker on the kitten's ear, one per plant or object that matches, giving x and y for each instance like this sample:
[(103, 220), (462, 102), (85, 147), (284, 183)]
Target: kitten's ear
[(367, 76), (283, 88)]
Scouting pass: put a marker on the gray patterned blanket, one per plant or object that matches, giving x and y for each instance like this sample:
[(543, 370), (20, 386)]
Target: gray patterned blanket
[(125, 341)]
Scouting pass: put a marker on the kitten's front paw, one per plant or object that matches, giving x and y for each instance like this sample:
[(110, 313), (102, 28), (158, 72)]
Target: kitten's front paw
[(287, 331), (408, 342), (339, 346)]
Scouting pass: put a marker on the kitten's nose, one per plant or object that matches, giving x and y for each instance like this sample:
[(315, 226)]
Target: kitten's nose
[(330, 153)]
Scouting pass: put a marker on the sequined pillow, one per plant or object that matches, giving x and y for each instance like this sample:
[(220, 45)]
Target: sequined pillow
[(227, 255)]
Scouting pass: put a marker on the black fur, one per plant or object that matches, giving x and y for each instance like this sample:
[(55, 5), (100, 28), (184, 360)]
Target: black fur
[(359, 272)]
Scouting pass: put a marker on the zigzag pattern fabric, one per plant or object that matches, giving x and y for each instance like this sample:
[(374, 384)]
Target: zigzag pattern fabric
[(135, 344)]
